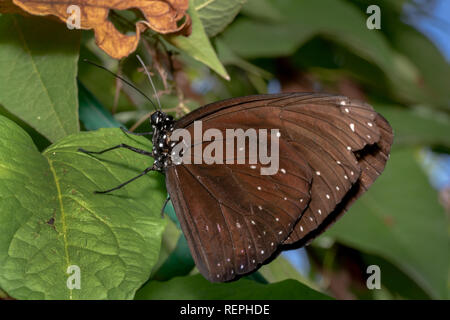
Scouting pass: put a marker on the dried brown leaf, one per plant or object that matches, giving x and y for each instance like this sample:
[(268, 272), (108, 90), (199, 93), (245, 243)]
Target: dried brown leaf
[(163, 16)]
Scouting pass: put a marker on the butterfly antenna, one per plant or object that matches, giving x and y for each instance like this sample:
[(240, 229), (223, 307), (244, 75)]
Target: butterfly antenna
[(124, 80), (151, 81)]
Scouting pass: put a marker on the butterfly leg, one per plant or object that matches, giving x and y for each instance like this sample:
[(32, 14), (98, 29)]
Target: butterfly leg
[(164, 206), (147, 170), (136, 133), (122, 145)]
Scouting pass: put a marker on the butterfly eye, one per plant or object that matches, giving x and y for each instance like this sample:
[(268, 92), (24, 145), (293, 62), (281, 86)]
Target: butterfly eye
[(154, 118)]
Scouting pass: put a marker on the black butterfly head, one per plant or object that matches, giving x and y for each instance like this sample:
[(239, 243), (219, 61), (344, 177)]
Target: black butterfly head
[(157, 118)]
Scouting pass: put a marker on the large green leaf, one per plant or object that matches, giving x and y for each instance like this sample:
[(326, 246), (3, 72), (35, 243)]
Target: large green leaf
[(197, 287), (198, 46), (400, 219), (417, 126), (38, 63), (50, 218), (217, 14)]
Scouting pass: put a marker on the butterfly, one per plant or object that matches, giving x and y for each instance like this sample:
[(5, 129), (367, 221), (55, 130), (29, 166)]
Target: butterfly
[(331, 149)]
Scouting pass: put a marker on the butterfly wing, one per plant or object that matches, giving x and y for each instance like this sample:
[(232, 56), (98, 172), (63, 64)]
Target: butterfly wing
[(234, 218), (371, 161)]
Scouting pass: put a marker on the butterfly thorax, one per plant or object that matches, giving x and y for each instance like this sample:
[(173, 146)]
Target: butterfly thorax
[(162, 125)]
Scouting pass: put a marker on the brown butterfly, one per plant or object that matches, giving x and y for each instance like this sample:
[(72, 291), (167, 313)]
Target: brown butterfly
[(331, 149)]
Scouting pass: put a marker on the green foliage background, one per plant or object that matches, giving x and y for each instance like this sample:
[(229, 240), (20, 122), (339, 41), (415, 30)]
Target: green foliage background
[(51, 104)]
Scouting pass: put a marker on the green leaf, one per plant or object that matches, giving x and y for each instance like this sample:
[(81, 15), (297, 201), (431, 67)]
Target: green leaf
[(256, 276), (38, 63), (178, 263), (250, 38), (417, 126), (197, 287), (281, 269), (198, 46), (262, 9), (92, 113), (50, 218), (432, 67), (217, 14), (341, 23), (401, 220), (227, 56)]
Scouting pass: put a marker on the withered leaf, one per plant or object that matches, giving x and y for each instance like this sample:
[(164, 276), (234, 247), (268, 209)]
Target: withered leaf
[(163, 16)]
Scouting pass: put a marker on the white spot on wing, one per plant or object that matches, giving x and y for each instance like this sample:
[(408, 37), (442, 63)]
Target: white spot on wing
[(352, 126)]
